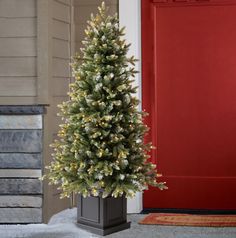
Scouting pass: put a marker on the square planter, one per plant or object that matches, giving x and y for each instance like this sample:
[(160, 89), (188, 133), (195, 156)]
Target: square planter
[(102, 216)]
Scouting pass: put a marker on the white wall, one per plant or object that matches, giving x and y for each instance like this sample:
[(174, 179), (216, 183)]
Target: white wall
[(130, 17)]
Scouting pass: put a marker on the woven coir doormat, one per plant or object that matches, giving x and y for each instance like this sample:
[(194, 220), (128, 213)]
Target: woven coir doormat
[(171, 219)]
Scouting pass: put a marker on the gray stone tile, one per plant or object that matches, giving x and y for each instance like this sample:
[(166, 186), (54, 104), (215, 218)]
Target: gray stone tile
[(20, 161), (21, 141), (20, 186), (21, 122)]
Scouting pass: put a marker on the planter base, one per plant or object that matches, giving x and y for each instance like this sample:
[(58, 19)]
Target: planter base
[(105, 231), (102, 216)]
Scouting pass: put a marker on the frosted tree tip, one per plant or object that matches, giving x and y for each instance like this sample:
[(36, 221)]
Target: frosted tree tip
[(42, 178), (102, 9), (162, 186), (103, 5)]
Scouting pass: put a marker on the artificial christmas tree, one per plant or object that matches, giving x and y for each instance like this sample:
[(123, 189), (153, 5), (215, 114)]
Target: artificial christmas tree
[(101, 153)]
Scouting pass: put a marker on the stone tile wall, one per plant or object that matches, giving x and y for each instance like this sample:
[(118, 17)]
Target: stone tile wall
[(21, 131)]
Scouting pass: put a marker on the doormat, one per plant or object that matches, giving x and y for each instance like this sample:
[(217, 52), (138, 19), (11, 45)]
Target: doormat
[(171, 219)]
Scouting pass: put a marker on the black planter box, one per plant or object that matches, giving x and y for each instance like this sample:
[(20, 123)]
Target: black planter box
[(102, 216)]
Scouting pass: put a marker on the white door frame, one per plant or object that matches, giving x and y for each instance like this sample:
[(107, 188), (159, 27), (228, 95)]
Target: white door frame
[(130, 17)]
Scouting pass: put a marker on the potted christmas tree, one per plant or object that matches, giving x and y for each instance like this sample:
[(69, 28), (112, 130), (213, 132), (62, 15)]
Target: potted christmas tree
[(101, 154)]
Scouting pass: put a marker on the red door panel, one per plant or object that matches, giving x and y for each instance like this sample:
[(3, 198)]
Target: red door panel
[(189, 88)]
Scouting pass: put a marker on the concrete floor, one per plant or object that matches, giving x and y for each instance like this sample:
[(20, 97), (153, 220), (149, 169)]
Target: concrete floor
[(154, 231), (63, 225)]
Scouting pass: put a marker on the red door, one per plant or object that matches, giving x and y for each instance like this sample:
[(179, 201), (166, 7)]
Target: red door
[(189, 89)]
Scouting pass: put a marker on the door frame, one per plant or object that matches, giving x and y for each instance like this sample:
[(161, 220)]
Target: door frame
[(130, 17)]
